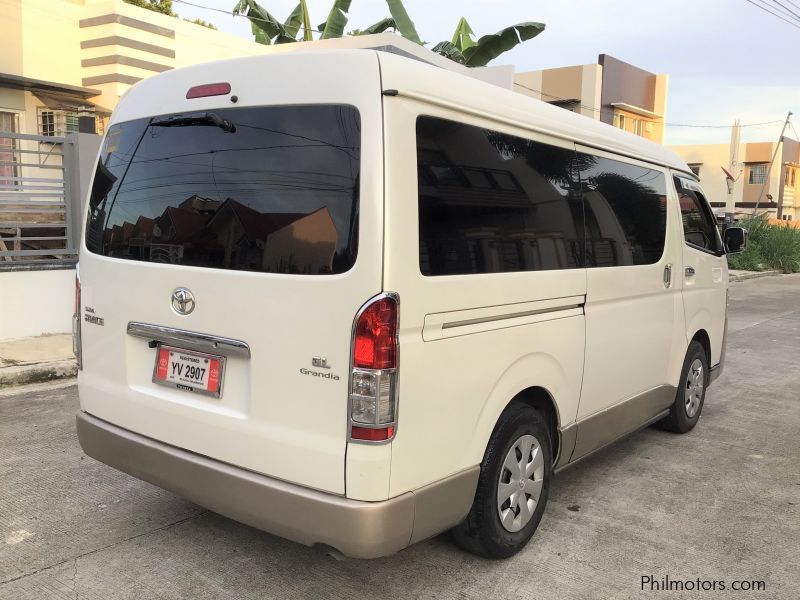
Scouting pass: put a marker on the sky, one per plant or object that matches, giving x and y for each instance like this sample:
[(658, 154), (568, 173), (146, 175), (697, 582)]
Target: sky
[(726, 59)]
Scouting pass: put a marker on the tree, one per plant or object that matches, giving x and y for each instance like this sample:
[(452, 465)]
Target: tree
[(202, 23), (161, 6), (463, 48)]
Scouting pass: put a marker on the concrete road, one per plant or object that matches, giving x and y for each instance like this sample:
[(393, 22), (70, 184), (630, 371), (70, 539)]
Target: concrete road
[(721, 503)]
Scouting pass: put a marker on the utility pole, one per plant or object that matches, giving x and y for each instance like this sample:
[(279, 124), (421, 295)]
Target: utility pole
[(730, 202), (769, 170)]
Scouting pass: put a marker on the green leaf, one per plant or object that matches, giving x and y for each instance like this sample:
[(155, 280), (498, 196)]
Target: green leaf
[(265, 27), (337, 19), (490, 47), (404, 23), (449, 50), (259, 35), (308, 35), (463, 37), (294, 21), (379, 27)]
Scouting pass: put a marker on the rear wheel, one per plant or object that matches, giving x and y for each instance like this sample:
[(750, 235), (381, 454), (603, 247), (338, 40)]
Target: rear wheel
[(690, 396), (513, 486)]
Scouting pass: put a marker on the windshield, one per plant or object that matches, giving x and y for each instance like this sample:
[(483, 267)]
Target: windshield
[(271, 189)]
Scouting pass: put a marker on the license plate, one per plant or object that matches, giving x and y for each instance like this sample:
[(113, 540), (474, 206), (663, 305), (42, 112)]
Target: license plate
[(189, 371)]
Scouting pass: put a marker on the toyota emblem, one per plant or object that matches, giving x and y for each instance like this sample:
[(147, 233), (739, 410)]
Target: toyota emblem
[(182, 301)]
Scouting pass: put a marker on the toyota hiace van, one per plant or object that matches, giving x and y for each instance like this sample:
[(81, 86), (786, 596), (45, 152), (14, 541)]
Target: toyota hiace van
[(378, 300)]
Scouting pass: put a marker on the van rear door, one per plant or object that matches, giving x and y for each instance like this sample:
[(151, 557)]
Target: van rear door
[(252, 226)]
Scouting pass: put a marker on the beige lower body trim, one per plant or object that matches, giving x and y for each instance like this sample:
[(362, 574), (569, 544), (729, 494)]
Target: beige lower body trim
[(607, 426), (566, 445), (354, 528)]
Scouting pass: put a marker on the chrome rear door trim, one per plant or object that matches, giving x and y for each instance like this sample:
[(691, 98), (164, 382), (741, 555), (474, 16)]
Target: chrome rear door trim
[(190, 340)]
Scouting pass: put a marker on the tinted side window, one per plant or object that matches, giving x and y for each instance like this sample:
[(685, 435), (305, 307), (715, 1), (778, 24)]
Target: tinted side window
[(493, 203), (699, 229), (626, 212), (268, 189)]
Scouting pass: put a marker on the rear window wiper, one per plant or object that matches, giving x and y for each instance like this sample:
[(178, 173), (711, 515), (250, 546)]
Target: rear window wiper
[(208, 119)]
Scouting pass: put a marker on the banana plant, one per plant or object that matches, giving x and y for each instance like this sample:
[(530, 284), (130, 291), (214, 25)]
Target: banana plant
[(266, 28), (269, 30), (463, 48)]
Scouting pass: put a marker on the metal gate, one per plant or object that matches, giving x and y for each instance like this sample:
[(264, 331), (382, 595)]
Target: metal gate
[(35, 219)]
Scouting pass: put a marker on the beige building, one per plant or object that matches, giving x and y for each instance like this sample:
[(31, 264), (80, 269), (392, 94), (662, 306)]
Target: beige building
[(62, 59), (751, 180), (611, 91)]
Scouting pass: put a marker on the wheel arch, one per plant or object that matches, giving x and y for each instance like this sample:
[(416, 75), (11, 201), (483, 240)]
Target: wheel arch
[(701, 336), (542, 400), (543, 381)]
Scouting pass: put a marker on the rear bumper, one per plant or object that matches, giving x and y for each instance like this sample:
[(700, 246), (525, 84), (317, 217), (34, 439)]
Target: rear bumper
[(356, 529)]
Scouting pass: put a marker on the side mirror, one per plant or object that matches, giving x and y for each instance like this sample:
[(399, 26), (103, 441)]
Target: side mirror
[(735, 239)]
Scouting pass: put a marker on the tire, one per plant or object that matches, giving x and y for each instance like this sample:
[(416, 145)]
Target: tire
[(691, 394), (483, 532)]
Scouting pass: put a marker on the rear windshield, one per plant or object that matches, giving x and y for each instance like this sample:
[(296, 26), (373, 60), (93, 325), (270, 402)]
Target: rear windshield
[(270, 189)]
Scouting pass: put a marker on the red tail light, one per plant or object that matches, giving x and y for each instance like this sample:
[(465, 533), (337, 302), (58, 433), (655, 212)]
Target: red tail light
[(209, 89), (375, 345), (76, 320), (373, 376), (368, 434)]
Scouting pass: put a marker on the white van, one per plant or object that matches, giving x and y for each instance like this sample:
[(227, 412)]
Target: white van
[(356, 300)]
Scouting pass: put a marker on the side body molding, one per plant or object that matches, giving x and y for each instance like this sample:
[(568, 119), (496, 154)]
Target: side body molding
[(607, 426)]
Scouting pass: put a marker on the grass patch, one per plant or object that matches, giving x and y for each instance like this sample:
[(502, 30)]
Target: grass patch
[(769, 246)]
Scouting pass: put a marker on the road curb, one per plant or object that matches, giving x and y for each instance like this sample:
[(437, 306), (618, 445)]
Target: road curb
[(753, 275), (37, 373)]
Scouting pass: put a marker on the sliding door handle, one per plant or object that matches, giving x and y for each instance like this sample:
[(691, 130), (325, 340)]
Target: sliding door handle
[(668, 276)]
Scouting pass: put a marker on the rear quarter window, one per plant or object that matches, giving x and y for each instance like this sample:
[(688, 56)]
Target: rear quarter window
[(490, 202), (269, 189), (626, 212)]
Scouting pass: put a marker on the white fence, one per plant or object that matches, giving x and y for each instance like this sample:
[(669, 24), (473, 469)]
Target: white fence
[(43, 181)]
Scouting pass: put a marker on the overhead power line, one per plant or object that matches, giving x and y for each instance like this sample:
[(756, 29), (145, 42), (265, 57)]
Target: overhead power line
[(230, 14), (776, 15), (592, 108), (785, 9)]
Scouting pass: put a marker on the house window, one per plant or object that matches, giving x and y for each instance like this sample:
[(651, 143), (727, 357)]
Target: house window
[(758, 174), (695, 169), (8, 169), (639, 127), (57, 122), (47, 122)]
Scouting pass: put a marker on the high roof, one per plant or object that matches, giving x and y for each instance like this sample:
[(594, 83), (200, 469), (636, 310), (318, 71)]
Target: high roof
[(352, 74), (426, 83)]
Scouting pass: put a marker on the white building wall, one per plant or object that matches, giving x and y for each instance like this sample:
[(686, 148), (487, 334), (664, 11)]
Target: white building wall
[(36, 302)]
